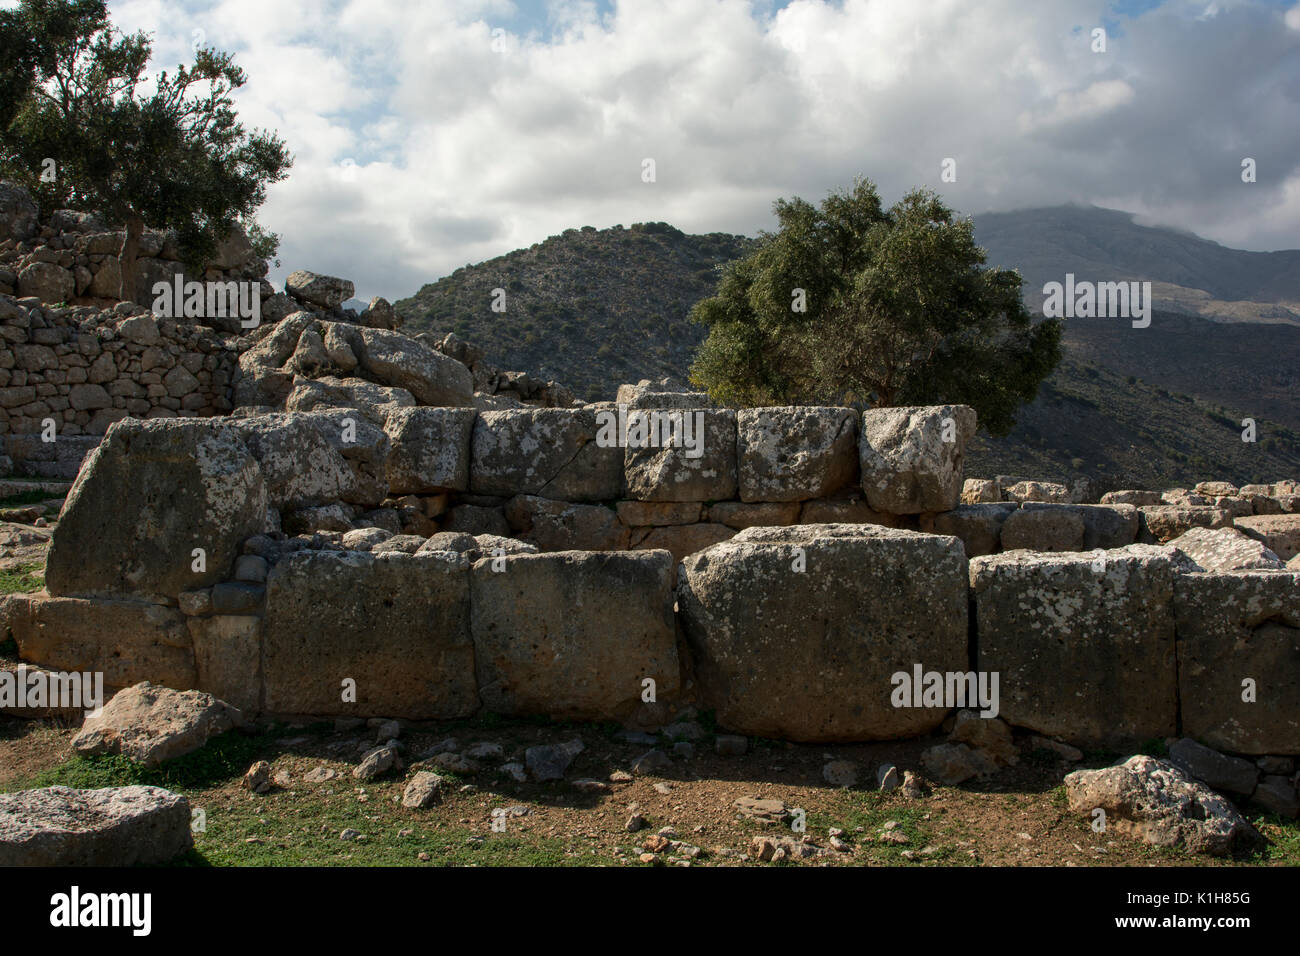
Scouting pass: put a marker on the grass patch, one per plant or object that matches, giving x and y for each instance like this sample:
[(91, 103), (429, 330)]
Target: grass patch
[(220, 760), (20, 579)]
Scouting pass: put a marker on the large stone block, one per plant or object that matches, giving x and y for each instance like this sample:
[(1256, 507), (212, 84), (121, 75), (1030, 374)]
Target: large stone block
[(151, 493), (912, 458), (1280, 533), (798, 632), (1232, 628), (684, 539), (978, 526), (1104, 526), (399, 360), (1163, 523), (702, 470), (549, 452), (739, 515), (795, 453), (116, 826), (1083, 642), (228, 655), (560, 526), (430, 449), (1226, 549), (126, 641), (309, 459), (397, 624), (574, 634)]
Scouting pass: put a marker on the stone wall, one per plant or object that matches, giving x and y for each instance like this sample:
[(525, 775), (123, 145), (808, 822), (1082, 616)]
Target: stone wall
[(83, 369), (789, 609)]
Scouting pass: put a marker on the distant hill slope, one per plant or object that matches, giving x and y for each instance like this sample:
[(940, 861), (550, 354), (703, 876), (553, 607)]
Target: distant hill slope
[(589, 308), (595, 308), (1189, 274)]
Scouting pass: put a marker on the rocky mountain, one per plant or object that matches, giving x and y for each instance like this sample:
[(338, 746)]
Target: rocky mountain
[(591, 308), (1152, 407), (1188, 274)]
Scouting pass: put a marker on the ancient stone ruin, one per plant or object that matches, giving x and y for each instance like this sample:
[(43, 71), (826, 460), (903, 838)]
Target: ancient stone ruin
[(323, 516)]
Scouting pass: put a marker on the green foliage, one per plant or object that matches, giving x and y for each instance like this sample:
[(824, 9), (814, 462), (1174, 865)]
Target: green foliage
[(20, 580), (899, 311), (175, 157)]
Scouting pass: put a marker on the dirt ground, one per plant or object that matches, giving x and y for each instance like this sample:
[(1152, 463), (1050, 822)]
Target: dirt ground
[(318, 813)]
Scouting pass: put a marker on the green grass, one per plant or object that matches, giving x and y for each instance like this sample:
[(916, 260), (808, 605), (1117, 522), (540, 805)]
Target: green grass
[(222, 759), (871, 811), (19, 579)]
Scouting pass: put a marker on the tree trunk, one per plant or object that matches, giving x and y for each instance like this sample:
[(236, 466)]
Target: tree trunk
[(127, 257)]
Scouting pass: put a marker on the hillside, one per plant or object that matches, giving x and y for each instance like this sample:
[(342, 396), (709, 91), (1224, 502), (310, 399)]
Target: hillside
[(1189, 274), (588, 308), (1150, 407)]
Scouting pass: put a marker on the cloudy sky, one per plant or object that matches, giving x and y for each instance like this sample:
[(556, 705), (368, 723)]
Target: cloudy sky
[(433, 133)]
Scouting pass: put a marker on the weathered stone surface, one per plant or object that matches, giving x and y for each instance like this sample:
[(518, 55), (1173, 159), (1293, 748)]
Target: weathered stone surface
[(126, 641), (19, 215), (975, 491), (424, 789), (1084, 643), (1104, 526), (636, 514), (152, 724), (1163, 523), (550, 761), (1280, 533), (1231, 627), (549, 452), (1225, 549), (1215, 770), (669, 473), (847, 510), (1042, 531), (318, 458), (907, 467), (116, 826), (543, 641), (559, 526), (47, 282), (476, 520), (397, 624), (430, 449), (662, 394), (989, 736), (739, 515), (329, 292), (1278, 795), (810, 655), (795, 453), (228, 655), (1131, 497), (1037, 491), (978, 526), (954, 763), (681, 540), (125, 530), (398, 360), (1153, 801)]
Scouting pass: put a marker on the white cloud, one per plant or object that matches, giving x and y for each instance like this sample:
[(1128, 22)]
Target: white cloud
[(463, 152)]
